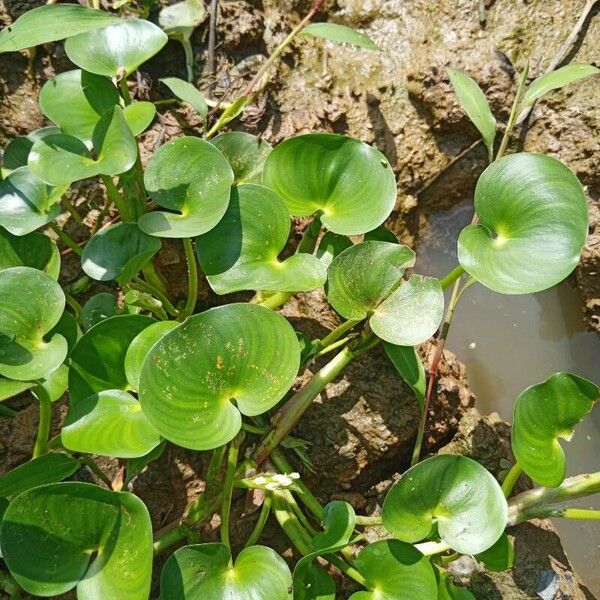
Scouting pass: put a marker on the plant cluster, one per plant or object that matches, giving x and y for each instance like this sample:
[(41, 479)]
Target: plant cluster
[(152, 371)]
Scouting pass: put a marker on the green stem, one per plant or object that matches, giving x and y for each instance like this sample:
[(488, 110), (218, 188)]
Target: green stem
[(45, 419), (346, 569), (373, 521), (117, 199), (289, 522), (72, 210), (189, 58), (581, 514), (73, 304), (96, 470), (192, 269), (79, 286), (511, 479), (311, 235), (170, 538), (262, 520), (451, 277), (333, 346), (144, 286), (66, 239), (124, 91), (153, 278), (276, 300), (337, 333), (232, 459), (431, 548)]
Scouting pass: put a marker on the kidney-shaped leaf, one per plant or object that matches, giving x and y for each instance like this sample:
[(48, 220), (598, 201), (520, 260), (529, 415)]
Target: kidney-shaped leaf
[(361, 277), (454, 492), (139, 115), (116, 50), (242, 353), (58, 536), (340, 34), (351, 184), (205, 571), (544, 413), (240, 252), (192, 179), (118, 252), (110, 423), (32, 250), (338, 521), (31, 304), (246, 154), (75, 101), (533, 223), (395, 571), (98, 358)]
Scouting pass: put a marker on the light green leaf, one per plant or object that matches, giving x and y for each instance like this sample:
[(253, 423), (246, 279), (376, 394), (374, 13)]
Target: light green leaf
[(453, 492), (17, 151), (59, 536), (351, 184), (241, 251), (31, 250), (10, 388), (475, 105), (110, 423), (192, 179), (116, 50), (338, 521), (340, 34), (139, 115), (189, 93), (556, 80), (330, 245), (51, 23), (242, 353), (533, 223), (543, 414), (180, 19), (31, 303), (246, 154), (206, 571), (409, 366)]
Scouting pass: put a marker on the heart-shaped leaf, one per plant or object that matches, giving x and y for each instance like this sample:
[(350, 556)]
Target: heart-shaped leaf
[(58, 536), (500, 557), (409, 366), (340, 34), (48, 468), (139, 115), (313, 582), (453, 492), (411, 314), (27, 203), (246, 154), (338, 521), (118, 252), (75, 101), (51, 23), (189, 93), (349, 183), (62, 159), (205, 571), (98, 359), (97, 308), (533, 223), (32, 250), (361, 277), (395, 571), (55, 382), (240, 252), (116, 50), (141, 346), (330, 245), (110, 423), (31, 304), (180, 19), (190, 176), (239, 352), (16, 153), (544, 413)]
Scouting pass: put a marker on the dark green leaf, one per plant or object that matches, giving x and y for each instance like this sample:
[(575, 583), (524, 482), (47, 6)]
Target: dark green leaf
[(139, 115), (31, 250), (330, 245), (16, 153), (97, 308), (409, 366), (500, 557), (340, 34), (448, 591), (338, 521)]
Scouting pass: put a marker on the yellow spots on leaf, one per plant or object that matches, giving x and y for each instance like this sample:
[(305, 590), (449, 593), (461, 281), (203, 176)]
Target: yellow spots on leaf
[(219, 362)]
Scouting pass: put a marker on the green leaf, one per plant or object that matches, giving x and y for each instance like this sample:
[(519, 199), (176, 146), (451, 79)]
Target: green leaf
[(180, 19), (110, 423), (313, 582), (395, 571), (98, 359), (27, 203), (350, 183), (453, 492), (448, 591), (242, 353), (139, 115), (340, 34), (204, 571), (411, 314), (543, 414), (192, 179), (409, 366), (338, 521), (62, 535), (118, 252), (533, 223), (330, 245), (51, 23), (556, 80), (31, 250), (241, 251), (475, 105), (97, 308), (17, 151), (381, 234), (68, 328), (31, 303), (116, 50), (141, 346), (187, 93), (136, 465), (62, 159), (55, 382), (10, 388), (48, 468), (500, 557), (75, 101), (361, 277), (246, 154)]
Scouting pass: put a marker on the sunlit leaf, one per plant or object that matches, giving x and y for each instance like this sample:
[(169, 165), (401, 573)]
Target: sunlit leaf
[(139, 115), (246, 154), (340, 34), (447, 590), (189, 93), (338, 521), (16, 153), (180, 19), (409, 366)]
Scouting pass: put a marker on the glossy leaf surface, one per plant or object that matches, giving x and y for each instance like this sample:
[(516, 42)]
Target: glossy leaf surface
[(17, 151), (533, 223), (139, 115), (340, 34), (338, 522), (180, 19), (543, 414), (349, 182), (32, 250), (239, 352), (453, 492), (241, 251), (409, 366), (500, 557), (97, 308), (245, 153), (189, 93)]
